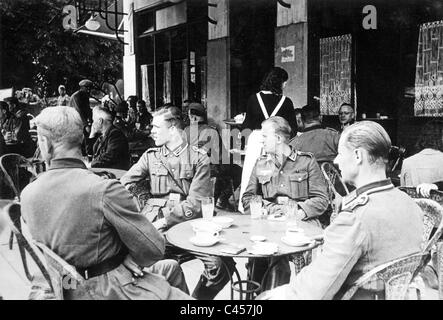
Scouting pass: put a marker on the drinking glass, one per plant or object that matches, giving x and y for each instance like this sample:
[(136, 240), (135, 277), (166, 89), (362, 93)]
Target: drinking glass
[(290, 208), (208, 208), (255, 206)]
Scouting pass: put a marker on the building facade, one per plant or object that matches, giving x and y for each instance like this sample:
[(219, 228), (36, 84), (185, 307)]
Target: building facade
[(383, 57)]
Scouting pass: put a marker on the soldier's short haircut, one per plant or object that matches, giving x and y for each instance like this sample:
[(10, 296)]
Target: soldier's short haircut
[(61, 124), (171, 114), (370, 136), (346, 104), (103, 113), (280, 125)]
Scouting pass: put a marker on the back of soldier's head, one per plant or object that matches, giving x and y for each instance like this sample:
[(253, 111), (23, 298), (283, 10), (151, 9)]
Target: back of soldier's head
[(61, 125), (371, 137), (311, 111)]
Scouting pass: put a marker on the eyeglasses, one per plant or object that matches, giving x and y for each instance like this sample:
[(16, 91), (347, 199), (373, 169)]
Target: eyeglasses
[(341, 113)]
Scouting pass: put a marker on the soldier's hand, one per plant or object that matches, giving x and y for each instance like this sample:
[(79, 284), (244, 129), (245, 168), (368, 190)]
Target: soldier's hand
[(130, 264), (424, 189), (276, 210)]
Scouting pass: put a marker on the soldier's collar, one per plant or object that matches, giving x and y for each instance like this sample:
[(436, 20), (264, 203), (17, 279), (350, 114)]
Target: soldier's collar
[(375, 187), (293, 155), (360, 196), (316, 126), (62, 163), (177, 151)]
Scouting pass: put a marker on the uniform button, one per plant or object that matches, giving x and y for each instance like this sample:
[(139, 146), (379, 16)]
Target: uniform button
[(299, 179), (173, 170), (281, 172), (282, 185)]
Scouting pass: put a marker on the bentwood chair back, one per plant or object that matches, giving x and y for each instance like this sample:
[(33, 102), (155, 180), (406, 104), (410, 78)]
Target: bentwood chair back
[(336, 187), (14, 168), (13, 217), (396, 276)]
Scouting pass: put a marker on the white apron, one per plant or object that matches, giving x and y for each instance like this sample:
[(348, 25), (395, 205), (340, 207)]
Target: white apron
[(254, 149)]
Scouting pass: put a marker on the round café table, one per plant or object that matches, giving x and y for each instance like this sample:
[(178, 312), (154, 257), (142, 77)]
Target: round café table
[(239, 233), (118, 173)]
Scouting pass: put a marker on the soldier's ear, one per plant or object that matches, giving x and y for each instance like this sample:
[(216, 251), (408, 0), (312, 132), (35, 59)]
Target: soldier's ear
[(358, 153)]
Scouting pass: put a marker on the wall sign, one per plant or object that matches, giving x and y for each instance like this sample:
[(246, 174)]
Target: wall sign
[(287, 54)]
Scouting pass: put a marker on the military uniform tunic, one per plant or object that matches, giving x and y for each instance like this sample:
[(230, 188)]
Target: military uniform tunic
[(378, 223), (184, 173), (189, 167), (298, 178)]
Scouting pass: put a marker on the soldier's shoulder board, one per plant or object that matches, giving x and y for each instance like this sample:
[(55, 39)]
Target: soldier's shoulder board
[(331, 129), (307, 154), (153, 149), (199, 150), (353, 201)]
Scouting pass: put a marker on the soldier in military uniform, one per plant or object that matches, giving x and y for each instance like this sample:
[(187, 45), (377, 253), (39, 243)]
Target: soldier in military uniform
[(178, 176), (321, 142), (377, 223), (284, 174)]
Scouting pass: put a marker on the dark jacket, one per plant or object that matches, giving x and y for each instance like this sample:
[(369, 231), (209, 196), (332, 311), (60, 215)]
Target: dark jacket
[(111, 150), (321, 142), (80, 101)]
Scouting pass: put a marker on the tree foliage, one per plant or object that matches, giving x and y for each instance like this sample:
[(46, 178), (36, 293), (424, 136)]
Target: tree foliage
[(37, 52)]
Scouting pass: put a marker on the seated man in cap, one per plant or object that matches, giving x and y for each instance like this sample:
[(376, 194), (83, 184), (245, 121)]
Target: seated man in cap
[(202, 135), (93, 223), (111, 149), (321, 142), (377, 223), (178, 176)]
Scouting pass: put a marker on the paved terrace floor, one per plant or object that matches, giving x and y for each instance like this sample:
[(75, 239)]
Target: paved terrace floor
[(15, 286)]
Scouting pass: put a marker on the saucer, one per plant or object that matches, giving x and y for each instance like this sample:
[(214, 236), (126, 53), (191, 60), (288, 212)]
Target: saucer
[(204, 241), (296, 241), (224, 222), (257, 238), (205, 225)]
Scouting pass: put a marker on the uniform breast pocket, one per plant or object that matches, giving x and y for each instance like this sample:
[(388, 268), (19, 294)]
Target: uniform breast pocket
[(299, 185), (265, 182)]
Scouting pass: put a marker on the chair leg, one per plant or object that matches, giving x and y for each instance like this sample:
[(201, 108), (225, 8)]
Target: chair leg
[(25, 264), (11, 240)]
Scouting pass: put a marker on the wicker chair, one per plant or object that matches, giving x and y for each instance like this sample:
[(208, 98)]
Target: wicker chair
[(13, 217), (63, 276), (432, 208), (336, 187), (18, 172), (396, 276)]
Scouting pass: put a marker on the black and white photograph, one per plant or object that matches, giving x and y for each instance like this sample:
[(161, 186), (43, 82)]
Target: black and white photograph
[(235, 150)]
